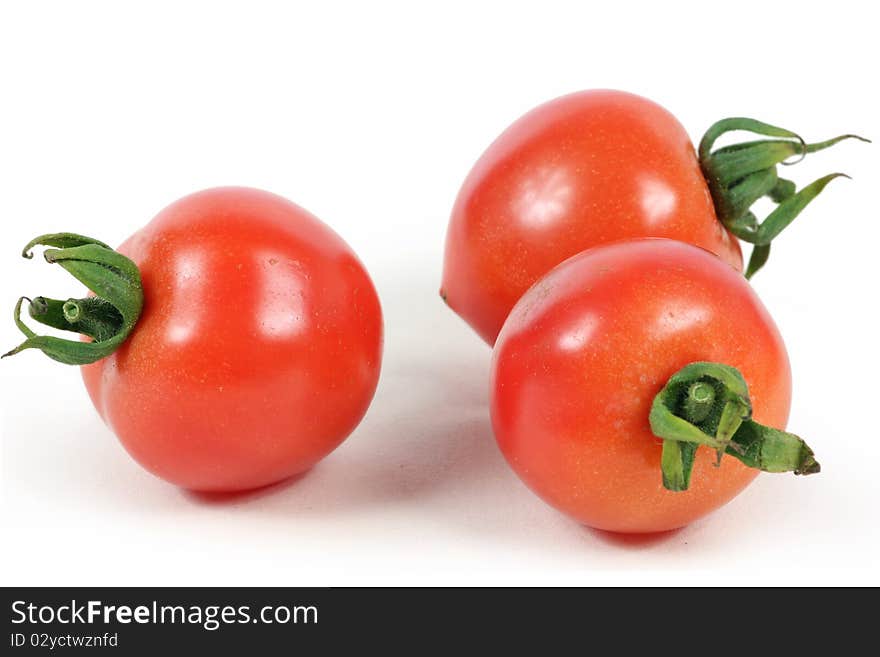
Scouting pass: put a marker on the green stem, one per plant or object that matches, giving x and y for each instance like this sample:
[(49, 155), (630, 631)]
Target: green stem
[(740, 174), (108, 317), (679, 415), (699, 401)]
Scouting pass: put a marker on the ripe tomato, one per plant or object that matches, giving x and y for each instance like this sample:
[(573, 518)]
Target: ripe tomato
[(602, 166), (582, 356), (582, 170), (258, 348)]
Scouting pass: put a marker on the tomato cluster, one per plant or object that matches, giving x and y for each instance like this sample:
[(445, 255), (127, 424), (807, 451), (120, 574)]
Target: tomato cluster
[(637, 381), (599, 253)]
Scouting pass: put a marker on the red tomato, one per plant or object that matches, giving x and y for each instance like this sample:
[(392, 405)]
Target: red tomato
[(258, 349), (582, 170), (583, 355)]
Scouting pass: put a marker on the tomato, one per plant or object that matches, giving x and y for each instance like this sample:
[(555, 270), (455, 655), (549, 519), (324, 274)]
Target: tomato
[(258, 348), (585, 351), (601, 166), (582, 170)]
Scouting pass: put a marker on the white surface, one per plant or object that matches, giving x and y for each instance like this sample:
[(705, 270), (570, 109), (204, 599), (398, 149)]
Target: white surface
[(370, 115)]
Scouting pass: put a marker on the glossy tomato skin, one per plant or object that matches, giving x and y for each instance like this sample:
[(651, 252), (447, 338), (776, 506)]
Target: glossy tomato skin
[(578, 363), (259, 346), (582, 170)]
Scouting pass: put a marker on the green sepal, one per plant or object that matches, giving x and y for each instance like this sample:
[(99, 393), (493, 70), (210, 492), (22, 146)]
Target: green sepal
[(740, 174), (108, 317), (727, 427)]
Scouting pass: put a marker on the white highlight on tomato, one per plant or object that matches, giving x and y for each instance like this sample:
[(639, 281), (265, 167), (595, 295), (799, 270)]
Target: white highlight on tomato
[(544, 197), (658, 199)]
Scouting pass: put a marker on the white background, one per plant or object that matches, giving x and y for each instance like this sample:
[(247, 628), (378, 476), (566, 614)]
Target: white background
[(370, 115)]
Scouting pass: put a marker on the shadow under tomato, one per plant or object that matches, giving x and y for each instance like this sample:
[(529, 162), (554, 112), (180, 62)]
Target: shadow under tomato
[(211, 498), (408, 449), (634, 541)]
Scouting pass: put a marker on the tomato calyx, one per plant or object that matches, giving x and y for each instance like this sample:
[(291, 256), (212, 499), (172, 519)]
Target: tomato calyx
[(108, 317), (708, 404), (740, 174)]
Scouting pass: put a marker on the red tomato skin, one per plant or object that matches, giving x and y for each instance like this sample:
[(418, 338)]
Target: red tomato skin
[(258, 349), (582, 170), (578, 363)]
